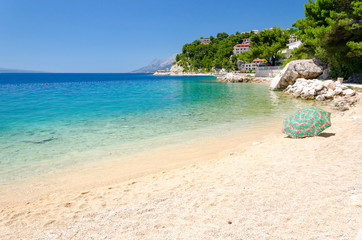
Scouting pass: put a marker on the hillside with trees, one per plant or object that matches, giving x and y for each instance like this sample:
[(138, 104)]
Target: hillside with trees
[(332, 32), (267, 45), (218, 54), (197, 56)]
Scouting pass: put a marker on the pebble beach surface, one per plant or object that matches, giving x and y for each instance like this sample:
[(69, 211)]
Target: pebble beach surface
[(275, 188)]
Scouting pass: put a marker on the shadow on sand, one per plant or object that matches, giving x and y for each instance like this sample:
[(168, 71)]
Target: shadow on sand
[(323, 134), (326, 135)]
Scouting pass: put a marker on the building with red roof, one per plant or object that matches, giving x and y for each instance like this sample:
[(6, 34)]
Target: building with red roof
[(251, 66), (258, 61), (239, 48), (245, 40), (205, 40)]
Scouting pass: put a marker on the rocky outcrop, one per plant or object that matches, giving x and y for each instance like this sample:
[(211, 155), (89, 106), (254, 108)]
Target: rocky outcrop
[(344, 103), (242, 78), (176, 69), (308, 69), (235, 77), (342, 96), (317, 89)]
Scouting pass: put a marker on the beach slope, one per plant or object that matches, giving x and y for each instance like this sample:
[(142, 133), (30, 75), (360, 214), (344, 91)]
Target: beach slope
[(278, 188)]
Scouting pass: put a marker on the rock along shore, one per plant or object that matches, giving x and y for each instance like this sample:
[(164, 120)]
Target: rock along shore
[(340, 96), (242, 78)]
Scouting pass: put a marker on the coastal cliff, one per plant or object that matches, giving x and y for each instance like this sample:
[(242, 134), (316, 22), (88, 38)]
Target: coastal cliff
[(176, 69)]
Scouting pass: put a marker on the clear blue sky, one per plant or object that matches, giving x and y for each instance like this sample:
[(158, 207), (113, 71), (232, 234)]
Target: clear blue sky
[(120, 36)]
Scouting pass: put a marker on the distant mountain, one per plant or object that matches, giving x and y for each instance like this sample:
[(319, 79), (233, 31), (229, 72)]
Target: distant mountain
[(9, 70), (157, 64)]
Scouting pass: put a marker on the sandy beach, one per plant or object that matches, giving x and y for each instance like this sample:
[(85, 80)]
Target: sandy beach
[(270, 187)]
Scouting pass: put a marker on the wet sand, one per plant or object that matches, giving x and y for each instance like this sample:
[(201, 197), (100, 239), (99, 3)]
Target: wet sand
[(264, 187)]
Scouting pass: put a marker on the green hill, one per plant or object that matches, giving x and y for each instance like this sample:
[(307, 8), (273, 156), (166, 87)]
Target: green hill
[(197, 56)]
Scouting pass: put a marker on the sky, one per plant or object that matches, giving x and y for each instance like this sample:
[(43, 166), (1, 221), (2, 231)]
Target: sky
[(111, 36)]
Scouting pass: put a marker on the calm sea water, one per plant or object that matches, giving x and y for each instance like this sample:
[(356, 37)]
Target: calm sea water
[(50, 121)]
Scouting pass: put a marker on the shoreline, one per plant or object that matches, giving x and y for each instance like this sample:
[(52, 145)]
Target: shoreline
[(119, 169), (16, 182), (222, 77), (276, 188), (184, 74)]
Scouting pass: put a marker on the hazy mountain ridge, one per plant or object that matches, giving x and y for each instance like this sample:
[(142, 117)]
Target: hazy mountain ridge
[(157, 64)]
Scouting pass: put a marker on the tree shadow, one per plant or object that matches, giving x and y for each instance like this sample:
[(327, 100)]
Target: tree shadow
[(326, 135)]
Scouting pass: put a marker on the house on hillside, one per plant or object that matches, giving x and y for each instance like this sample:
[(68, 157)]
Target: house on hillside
[(258, 61), (245, 41), (248, 66), (205, 40), (292, 40), (293, 43), (251, 66), (239, 48)]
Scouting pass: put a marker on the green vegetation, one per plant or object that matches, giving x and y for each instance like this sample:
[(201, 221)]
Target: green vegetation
[(266, 45), (217, 54), (332, 32)]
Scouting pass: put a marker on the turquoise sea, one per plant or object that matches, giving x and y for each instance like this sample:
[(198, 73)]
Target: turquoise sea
[(52, 121)]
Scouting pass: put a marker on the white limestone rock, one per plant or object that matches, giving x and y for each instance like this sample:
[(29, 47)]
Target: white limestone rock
[(338, 90), (343, 87), (317, 85), (349, 92), (176, 69), (237, 77), (296, 69), (320, 97), (322, 91), (328, 83), (329, 94), (312, 92)]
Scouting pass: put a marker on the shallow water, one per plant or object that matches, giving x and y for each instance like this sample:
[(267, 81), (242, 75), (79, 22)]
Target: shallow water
[(53, 121)]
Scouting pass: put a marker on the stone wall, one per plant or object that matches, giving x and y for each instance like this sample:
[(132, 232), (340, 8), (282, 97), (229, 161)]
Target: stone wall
[(267, 71)]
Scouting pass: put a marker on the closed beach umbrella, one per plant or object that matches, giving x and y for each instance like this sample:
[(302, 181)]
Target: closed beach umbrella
[(307, 122)]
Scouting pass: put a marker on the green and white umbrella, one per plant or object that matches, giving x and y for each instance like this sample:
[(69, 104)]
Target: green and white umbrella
[(307, 122)]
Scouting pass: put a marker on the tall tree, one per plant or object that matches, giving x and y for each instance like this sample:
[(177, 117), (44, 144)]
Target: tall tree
[(332, 32), (266, 44), (222, 36)]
